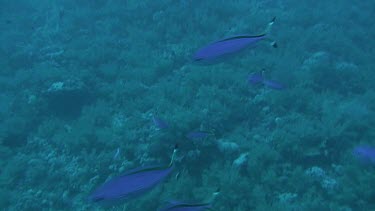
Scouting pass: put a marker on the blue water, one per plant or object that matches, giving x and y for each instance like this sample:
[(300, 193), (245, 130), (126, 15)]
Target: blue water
[(82, 82)]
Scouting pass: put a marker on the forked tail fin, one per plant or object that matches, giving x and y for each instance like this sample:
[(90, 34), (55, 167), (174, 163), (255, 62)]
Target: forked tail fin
[(267, 31), (269, 26), (173, 155), (214, 195)]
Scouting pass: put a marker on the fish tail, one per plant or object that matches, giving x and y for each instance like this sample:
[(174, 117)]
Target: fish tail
[(214, 195), (273, 43), (269, 26), (173, 155)]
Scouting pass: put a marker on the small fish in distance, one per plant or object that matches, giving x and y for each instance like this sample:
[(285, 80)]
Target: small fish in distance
[(159, 123), (365, 154), (255, 78), (273, 84), (132, 183), (231, 45), (198, 135), (258, 78), (185, 206)]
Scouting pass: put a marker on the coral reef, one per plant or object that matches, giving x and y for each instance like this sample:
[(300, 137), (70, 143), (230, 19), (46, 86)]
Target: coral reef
[(93, 88)]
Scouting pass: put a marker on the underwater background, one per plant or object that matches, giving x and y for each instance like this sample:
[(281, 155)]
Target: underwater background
[(90, 89)]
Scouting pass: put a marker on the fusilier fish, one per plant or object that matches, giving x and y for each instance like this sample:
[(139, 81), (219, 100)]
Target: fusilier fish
[(213, 52)]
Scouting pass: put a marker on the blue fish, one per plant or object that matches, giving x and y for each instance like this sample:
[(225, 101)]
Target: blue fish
[(228, 46), (365, 154), (184, 206), (258, 78), (255, 78), (159, 123), (198, 134), (132, 183), (273, 84)]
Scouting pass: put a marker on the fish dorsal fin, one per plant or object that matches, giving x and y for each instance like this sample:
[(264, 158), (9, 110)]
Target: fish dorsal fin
[(152, 168), (179, 204), (145, 169), (246, 36), (241, 37)]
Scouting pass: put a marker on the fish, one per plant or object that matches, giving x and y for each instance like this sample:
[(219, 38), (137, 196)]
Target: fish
[(185, 206), (159, 123), (273, 84), (212, 52), (255, 78), (198, 134), (365, 154), (258, 78), (132, 183)]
